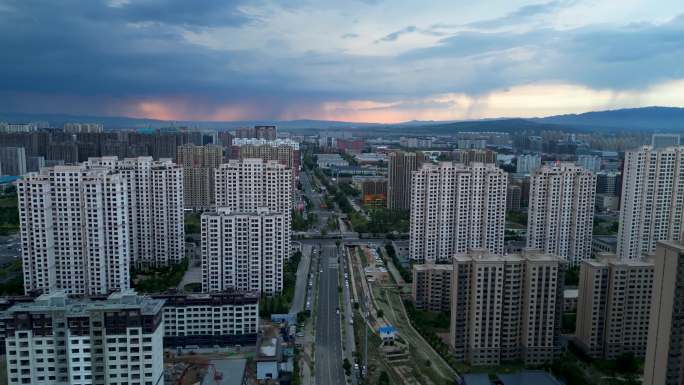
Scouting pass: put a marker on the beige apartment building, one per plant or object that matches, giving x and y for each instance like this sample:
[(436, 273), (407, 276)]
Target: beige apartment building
[(613, 306), (506, 308), (664, 364), (431, 287), (199, 164)]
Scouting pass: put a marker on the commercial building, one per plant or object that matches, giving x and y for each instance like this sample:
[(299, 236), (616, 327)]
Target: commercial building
[(58, 340), (74, 128), (244, 250), (12, 161), (258, 132), (431, 287), (652, 204), (513, 197), (609, 183), (210, 319), (330, 160), (664, 364), (455, 208), (400, 169), (527, 163), (561, 211), (284, 151), (590, 162), (154, 200), (613, 306), (34, 163), (374, 192), (606, 202), (199, 164), (506, 308)]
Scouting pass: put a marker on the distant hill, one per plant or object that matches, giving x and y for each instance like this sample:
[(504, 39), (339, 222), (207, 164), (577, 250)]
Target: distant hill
[(661, 119)]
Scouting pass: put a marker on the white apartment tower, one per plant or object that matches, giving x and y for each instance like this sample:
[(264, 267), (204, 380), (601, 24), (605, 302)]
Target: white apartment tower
[(56, 340), (74, 230), (652, 204), (155, 208), (455, 208), (561, 211), (244, 250)]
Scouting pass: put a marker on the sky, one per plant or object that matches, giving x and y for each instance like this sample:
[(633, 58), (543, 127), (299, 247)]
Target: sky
[(348, 60)]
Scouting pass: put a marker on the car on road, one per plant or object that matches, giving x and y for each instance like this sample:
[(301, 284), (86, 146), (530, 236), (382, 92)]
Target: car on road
[(337, 310)]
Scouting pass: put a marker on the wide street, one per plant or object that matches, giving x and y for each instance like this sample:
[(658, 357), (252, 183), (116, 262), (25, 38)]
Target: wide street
[(328, 339)]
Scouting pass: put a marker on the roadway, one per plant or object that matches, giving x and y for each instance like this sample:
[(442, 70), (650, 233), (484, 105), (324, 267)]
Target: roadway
[(329, 358)]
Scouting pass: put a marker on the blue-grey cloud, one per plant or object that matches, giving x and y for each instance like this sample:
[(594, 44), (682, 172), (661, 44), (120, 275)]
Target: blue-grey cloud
[(523, 14)]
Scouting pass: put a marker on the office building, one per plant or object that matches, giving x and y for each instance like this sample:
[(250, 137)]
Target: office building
[(374, 192), (652, 203), (473, 155), (225, 318), (660, 141), (455, 208), (560, 219), (664, 364), (34, 163), (400, 169), (257, 132), (59, 340), (613, 307), (506, 308), (431, 287), (74, 230), (199, 165), (244, 250), (283, 151), (527, 163), (77, 128), (12, 161), (155, 208), (609, 183)]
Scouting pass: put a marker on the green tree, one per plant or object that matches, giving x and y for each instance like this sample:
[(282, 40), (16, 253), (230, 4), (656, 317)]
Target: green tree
[(383, 379)]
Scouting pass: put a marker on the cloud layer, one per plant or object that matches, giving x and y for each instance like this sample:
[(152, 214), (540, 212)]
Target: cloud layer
[(347, 60)]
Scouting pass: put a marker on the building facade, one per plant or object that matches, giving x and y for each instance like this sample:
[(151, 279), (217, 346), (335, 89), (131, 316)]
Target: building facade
[(652, 204), (401, 166), (217, 318), (455, 208), (244, 250), (56, 340), (12, 161), (155, 208), (284, 151), (74, 226), (258, 132), (74, 128), (561, 211), (431, 287), (527, 163), (664, 364), (613, 307), (199, 164), (506, 308), (473, 155)]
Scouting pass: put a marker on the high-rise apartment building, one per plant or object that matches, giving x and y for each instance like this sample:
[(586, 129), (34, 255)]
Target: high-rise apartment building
[(613, 307), (244, 250), (258, 132), (431, 286), (467, 156), (199, 165), (506, 308), (77, 128), (58, 340), (455, 208), (664, 364), (652, 204), (590, 162), (12, 161), (284, 151), (401, 166), (249, 184), (527, 163), (560, 219), (659, 141), (75, 232), (155, 208)]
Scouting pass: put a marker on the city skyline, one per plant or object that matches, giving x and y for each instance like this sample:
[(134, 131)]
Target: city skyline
[(360, 61)]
